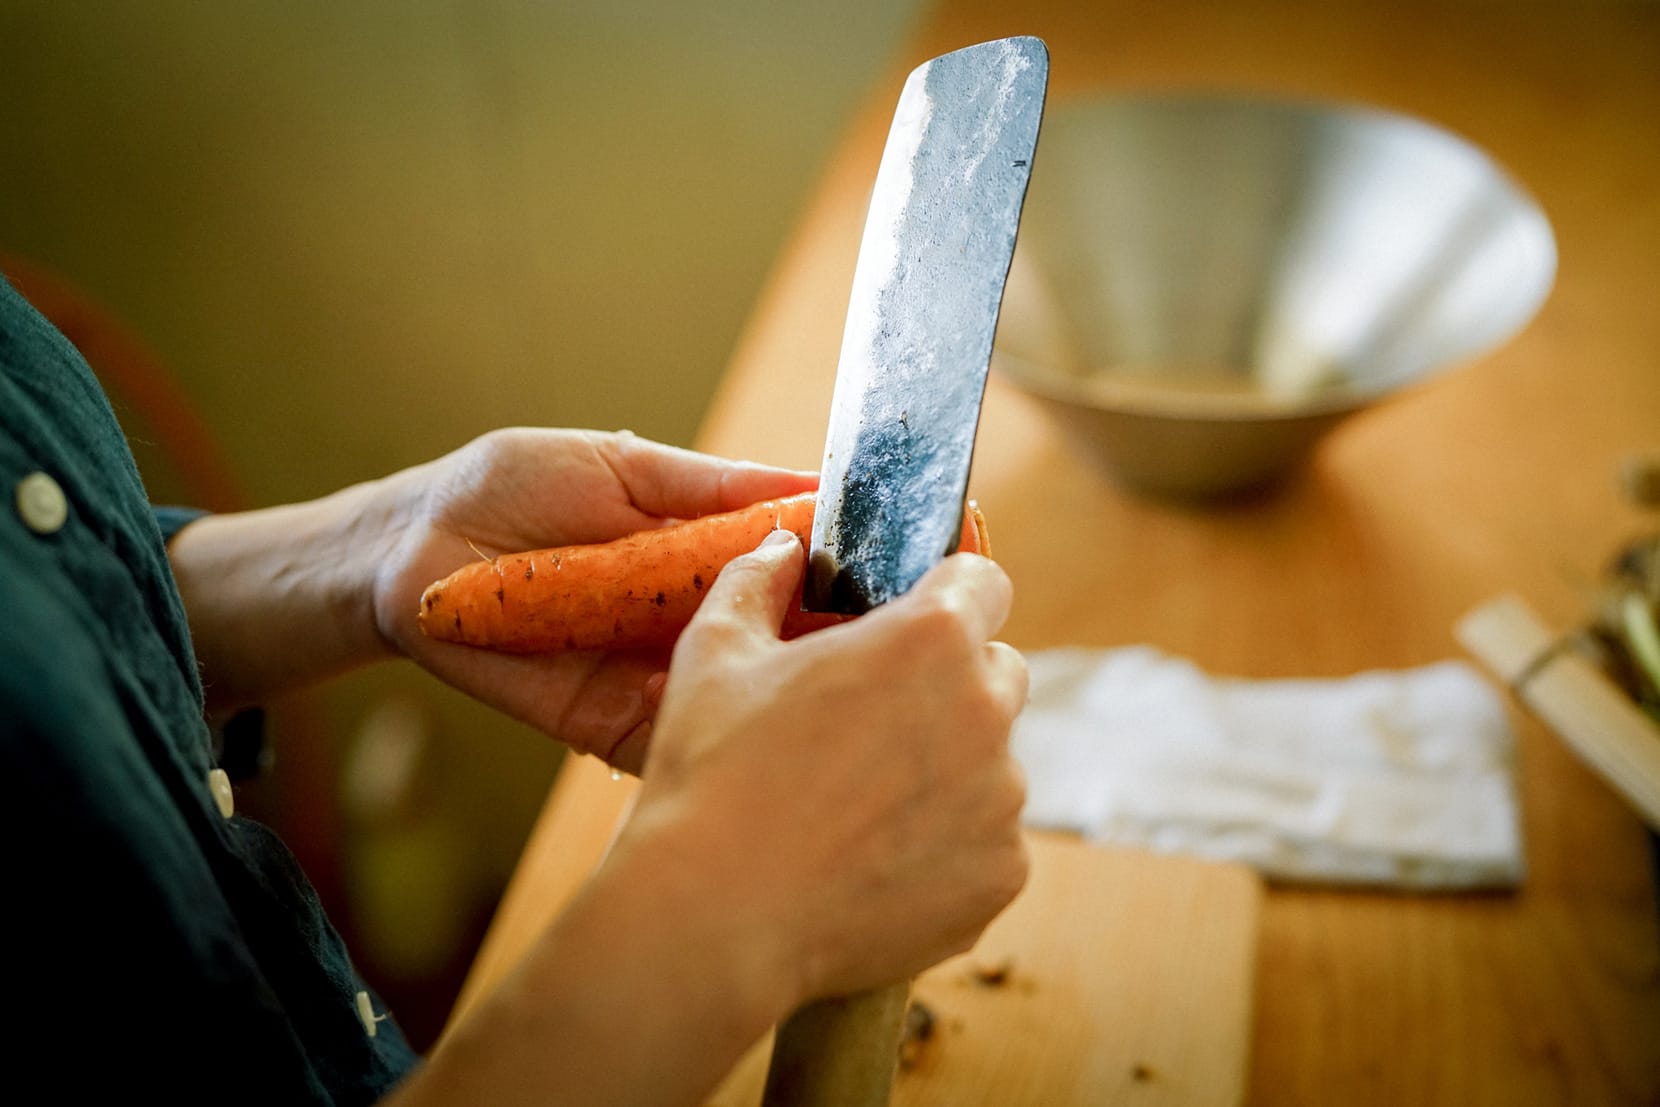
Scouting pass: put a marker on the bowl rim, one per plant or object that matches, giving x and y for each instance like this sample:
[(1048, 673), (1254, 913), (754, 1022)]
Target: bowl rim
[(1101, 394)]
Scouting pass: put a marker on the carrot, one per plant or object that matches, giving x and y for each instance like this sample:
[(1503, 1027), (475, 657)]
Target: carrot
[(639, 590)]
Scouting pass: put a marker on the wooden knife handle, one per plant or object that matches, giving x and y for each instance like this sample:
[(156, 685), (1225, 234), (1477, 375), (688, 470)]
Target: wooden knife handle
[(839, 1052)]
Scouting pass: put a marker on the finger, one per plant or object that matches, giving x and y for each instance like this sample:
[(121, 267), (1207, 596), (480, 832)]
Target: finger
[(629, 754), (1008, 677), (749, 597), (975, 587), (670, 482), (588, 701), (654, 690)]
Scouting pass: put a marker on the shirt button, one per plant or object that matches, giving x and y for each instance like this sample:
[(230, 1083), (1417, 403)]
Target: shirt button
[(366, 1013), (219, 783), (41, 504)]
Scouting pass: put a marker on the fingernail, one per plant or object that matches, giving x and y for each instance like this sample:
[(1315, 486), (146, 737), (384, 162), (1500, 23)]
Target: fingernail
[(779, 537), (653, 691)]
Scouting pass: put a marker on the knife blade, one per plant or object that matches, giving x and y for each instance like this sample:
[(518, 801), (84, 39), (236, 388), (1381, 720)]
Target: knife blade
[(938, 239)]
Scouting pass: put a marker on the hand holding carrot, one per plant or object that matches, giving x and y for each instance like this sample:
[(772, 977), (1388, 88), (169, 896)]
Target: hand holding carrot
[(283, 597), (524, 489)]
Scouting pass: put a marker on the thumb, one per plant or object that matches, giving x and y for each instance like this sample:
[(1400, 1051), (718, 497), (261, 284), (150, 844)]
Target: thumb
[(749, 597)]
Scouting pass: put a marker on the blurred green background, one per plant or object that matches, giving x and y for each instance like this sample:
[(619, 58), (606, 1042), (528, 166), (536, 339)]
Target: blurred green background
[(356, 235)]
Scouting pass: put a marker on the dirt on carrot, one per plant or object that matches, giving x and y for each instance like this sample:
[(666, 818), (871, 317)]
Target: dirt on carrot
[(637, 591)]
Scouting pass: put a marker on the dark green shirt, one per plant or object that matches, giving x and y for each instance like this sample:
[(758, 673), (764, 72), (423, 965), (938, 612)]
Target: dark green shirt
[(155, 946)]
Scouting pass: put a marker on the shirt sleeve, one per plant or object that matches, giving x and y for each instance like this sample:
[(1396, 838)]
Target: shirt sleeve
[(173, 519)]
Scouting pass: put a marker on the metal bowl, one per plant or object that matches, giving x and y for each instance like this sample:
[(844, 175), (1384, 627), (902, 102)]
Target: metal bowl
[(1206, 284)]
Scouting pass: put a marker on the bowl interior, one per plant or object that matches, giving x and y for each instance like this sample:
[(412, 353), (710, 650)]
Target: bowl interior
[(1217, 256)]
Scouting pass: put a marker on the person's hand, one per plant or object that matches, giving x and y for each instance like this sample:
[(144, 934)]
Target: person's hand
[(849, 796), (817, 817), (522, 489)]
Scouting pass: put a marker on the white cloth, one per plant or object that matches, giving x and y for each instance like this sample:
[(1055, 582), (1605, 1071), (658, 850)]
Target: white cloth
[(1403, 778)]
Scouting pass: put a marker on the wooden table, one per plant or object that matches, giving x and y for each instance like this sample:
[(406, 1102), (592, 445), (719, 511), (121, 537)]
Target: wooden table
[(1500, 476)]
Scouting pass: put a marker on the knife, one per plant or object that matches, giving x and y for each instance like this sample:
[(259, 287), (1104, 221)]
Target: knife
[(938, 240)]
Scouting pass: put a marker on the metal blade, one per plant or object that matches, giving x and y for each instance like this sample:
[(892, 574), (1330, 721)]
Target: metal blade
[(937, 244)]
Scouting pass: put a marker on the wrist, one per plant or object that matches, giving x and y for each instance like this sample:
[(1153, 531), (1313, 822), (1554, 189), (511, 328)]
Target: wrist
[(281, 597), (729, 934), (358, 528), (649, 960)]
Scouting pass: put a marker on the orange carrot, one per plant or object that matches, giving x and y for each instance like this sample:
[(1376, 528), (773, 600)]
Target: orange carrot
[(639, 590)]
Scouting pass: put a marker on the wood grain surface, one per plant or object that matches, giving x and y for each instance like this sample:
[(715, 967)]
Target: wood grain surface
[(1116, 977)]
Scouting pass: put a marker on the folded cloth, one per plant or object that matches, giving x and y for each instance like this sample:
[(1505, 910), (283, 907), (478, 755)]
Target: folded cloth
[(1402, 778)]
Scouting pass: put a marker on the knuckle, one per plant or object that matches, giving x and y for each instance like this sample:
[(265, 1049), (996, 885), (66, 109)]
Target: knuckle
[(746, 579), (497, 456), (1012, 664), (495, 446), (743, 575), (964, 940), (1012, 791), (715, 630), (940, 621), (1016, 871), (1005, 874), (615, 446), (979, 575), (984, 710), (1005, 866), (1001, 880)]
